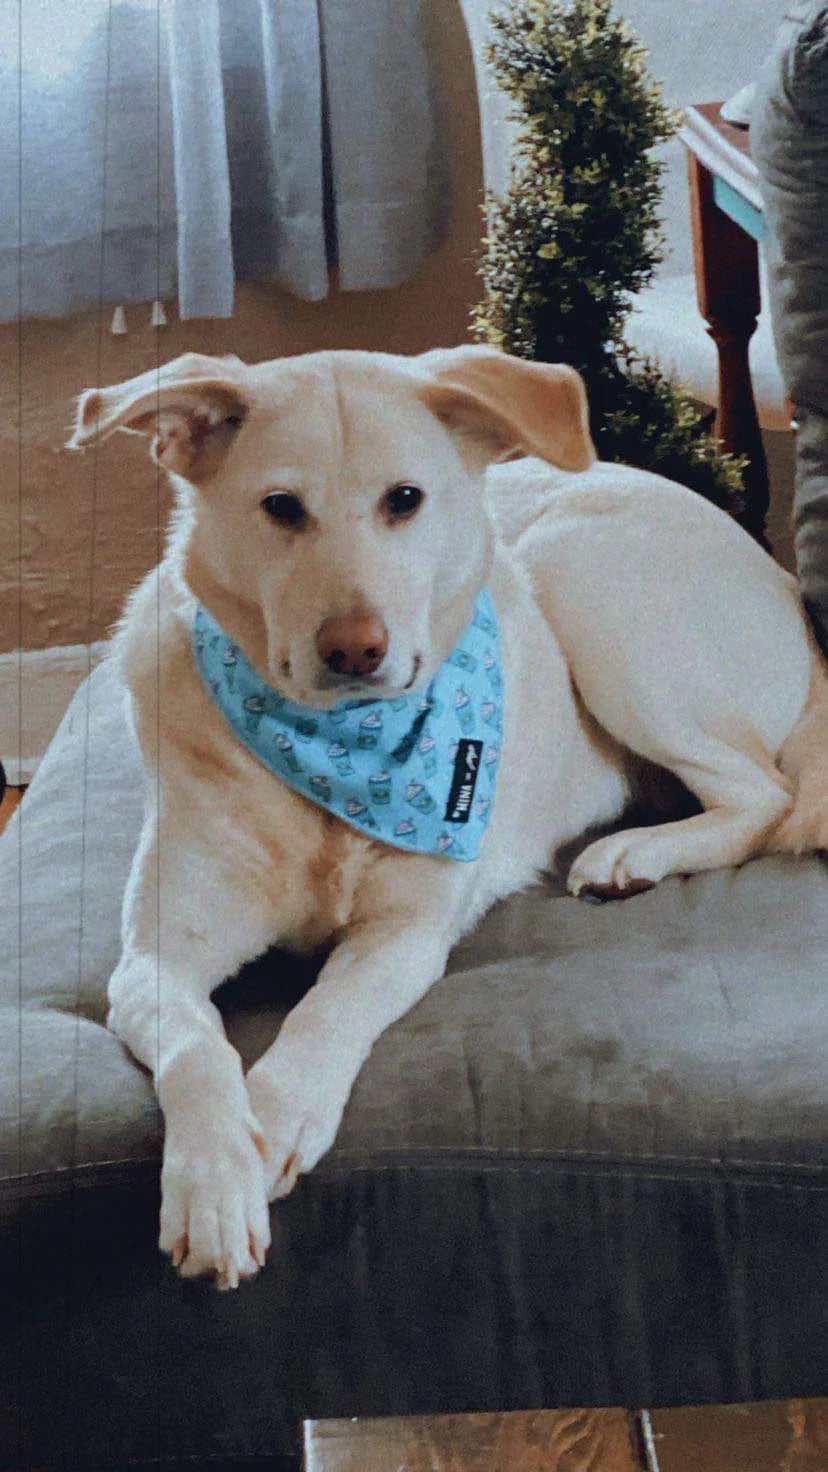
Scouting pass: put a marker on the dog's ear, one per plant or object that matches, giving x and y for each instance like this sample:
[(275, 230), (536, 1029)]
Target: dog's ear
[(506, 405), (192, 407)]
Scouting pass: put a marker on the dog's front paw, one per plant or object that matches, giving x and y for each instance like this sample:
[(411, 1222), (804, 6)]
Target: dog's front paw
[(214, 1211), (621, 864), (298, 1123)]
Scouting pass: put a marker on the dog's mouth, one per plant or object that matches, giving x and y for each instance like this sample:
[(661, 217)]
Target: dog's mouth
[(368, 685), (330, 688)]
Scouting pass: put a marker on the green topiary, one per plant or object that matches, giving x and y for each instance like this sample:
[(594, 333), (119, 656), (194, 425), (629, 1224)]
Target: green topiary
[(578, 233)]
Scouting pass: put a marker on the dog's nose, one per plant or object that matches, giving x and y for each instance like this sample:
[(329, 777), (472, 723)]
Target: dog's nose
[(353, 645)]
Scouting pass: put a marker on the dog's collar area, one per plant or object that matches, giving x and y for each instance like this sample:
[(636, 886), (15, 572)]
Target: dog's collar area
[(416, 771)]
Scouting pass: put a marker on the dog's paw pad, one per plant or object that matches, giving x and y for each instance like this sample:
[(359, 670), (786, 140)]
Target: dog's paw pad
[(600, 894), (214, 1214), (620, 865), (298, 1130)]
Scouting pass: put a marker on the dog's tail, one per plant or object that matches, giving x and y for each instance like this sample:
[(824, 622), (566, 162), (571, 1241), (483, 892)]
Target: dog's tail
[(804, 761)]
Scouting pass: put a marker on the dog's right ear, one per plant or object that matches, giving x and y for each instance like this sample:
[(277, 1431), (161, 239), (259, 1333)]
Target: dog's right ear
[(503, 405), (192, 407)]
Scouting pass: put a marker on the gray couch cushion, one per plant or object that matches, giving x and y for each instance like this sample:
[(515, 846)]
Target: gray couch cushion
[(789, 139), (586, 1168)]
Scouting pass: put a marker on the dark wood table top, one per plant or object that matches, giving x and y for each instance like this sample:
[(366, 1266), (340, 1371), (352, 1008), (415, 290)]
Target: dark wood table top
[(515, 1441), (771, 1436), (735, 135), (722, 147)]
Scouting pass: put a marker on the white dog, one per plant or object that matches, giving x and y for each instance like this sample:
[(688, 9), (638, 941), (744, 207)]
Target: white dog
[(338, 522)]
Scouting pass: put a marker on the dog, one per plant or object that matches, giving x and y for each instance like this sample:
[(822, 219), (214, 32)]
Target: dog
[(354, 532)]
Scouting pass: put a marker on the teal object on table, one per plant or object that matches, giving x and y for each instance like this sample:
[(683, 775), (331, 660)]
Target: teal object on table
[(738, 208)]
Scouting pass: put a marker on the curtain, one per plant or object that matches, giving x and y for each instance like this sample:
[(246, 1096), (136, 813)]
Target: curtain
[(150, 148)]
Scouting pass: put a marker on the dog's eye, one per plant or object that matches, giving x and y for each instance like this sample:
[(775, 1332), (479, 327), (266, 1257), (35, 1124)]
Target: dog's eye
[(401, 502), (285, 509)]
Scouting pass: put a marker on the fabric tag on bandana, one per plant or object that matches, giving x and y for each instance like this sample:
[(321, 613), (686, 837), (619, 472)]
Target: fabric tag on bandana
[(417, 772)]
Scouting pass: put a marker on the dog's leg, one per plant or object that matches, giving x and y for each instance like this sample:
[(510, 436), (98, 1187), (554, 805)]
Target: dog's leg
[(688, 645), (743, 799), (179, 943), (390, 957)]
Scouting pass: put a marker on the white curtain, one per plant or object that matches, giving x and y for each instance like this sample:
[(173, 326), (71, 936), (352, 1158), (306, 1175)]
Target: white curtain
[(158, 147)]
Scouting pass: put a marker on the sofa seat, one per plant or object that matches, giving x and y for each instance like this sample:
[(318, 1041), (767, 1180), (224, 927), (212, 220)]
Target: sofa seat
[(588, 1168)]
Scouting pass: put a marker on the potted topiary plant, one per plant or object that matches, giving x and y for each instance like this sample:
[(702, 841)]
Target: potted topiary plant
[(577, 232)]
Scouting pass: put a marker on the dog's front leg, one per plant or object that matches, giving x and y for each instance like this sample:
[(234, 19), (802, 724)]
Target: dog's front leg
[(299, 1088), (214, 1214)]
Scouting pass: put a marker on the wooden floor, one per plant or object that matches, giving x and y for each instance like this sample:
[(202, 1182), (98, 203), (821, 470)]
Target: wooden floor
[(11, 800), (776, 1436)]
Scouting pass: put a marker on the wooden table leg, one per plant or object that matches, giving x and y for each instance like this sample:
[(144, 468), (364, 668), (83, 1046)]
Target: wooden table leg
[(727, 287)]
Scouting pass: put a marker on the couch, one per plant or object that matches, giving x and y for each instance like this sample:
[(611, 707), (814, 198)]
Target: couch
[(588, 1168)]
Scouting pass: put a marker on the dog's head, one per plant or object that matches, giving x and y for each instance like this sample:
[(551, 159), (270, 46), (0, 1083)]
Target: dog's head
[(334, 503)]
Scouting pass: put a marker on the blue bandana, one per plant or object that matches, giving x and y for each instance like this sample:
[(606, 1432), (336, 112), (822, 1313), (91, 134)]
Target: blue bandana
[(417, 772)]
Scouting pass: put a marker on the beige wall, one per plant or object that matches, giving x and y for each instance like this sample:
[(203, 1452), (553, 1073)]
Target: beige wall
[(90, 523)]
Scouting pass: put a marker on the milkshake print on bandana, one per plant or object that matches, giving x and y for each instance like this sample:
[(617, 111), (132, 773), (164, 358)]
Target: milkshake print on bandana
[(417, 772)]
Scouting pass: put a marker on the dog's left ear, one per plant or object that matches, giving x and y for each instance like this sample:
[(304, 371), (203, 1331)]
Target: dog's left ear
[(505, 405), (191, 408)]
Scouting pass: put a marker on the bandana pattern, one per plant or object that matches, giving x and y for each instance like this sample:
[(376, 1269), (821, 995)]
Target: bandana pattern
[(417, 772)]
